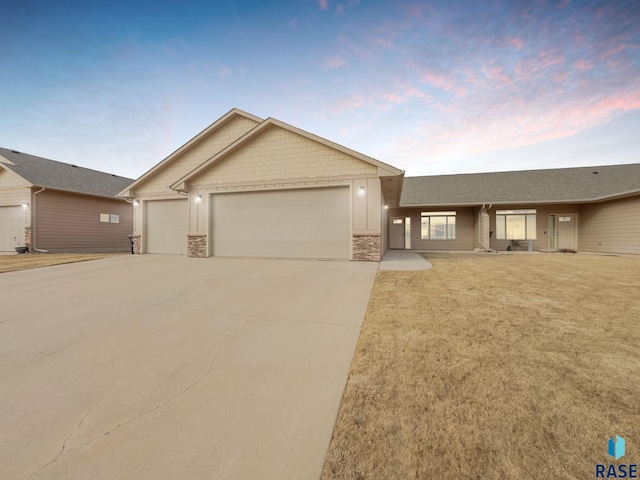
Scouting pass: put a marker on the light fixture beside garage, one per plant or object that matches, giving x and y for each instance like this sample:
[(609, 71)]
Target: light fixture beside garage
[(361, 190), (198, 198), (136, 203), (25, 205)]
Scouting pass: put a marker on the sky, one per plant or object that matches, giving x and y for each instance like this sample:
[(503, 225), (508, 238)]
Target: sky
[(430, 87)]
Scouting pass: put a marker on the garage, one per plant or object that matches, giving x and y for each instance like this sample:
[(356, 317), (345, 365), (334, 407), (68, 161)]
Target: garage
[(166, 226), (297, 223), (11, 227)]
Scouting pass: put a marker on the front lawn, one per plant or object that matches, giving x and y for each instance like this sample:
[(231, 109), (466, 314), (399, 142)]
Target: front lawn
[(494, 367)]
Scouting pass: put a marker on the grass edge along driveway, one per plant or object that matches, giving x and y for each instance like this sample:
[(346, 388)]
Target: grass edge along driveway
[(493, 367), (26, 261)]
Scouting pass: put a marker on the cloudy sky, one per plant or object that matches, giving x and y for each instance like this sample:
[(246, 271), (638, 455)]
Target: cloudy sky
[(431, 87)]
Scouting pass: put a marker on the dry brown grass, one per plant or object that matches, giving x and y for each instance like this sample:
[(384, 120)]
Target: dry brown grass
[(26, 261), (493, 367)]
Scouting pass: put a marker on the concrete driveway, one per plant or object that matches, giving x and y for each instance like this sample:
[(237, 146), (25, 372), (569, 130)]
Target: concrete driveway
[(158, 366)]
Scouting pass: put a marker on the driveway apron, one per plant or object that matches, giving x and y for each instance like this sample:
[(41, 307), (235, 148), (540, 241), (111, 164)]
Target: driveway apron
[(160, 366)]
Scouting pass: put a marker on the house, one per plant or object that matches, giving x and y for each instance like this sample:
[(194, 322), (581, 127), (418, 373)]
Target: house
[(592, 209), (261, 188), (251, 187), (58, 207)]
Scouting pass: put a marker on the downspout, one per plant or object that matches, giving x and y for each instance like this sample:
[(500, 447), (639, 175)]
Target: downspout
[(484, 209), (33, 222)]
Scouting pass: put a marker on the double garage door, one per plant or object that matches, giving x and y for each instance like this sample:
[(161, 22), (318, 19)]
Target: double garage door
[(11, 227), (300, 223)]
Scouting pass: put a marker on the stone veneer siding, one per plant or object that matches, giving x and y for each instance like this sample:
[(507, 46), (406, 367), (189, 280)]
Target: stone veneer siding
[(196, 246), (367, 248), (136, 244), (27, 237)]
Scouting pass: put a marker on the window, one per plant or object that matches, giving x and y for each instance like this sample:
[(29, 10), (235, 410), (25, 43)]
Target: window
[(115, 218), (104, 217), (516, 224), (438, 225)]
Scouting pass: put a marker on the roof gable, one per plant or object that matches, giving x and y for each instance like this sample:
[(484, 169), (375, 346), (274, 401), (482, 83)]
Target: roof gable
[(562, 185), (10, 179), (281, 151), (42, 172), (207, 143)]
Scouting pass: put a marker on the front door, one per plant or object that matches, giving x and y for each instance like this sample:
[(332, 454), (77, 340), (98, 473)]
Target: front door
[(396, 232), (562, 231)]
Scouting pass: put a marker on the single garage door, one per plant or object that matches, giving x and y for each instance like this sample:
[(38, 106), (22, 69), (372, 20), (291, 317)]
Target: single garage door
[(167, 222), (300, 223), (11, 227)]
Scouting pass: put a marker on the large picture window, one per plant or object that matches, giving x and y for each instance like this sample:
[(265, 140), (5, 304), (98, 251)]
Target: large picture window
[(516, 224), (438, 225)]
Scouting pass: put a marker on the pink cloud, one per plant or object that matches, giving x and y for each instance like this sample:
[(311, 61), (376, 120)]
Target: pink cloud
[(583, 65), (496, 73), (350, 103), (334, 62), (515, 42), (324, 4), (437, 80), (406, 94)]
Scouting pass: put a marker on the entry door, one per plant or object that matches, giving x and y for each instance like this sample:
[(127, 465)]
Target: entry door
[(563, 227), (396, 232)]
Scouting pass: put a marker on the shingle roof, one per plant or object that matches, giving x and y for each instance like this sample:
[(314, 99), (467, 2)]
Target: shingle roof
[(560, 185), (42, 172)]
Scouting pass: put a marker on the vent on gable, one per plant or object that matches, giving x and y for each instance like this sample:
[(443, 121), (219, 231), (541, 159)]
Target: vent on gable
[(15, 151)]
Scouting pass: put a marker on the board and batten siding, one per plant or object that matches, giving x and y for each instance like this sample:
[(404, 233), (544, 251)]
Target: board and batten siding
[(67, 222), (611, 227)]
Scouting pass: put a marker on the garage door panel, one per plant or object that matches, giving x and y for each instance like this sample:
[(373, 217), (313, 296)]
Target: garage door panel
[(166, 226), (305, 223), (11, 227)]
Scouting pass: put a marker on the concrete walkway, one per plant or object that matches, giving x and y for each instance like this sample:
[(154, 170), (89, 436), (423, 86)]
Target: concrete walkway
[(403, 260), (165, 367)]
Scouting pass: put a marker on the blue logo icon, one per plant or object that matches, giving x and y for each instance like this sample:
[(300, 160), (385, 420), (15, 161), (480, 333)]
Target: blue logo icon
[(616, 447)]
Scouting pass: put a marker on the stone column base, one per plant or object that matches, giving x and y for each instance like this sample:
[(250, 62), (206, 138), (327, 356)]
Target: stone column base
[(136, 244), (197, 246), (367, 248), (27, 237)]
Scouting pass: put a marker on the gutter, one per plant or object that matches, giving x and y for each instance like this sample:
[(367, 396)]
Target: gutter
[(33, 222)]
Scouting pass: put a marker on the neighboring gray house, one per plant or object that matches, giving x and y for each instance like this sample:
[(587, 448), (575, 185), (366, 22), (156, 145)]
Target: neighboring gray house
[(59, 207), (250, 187), (592, 209)]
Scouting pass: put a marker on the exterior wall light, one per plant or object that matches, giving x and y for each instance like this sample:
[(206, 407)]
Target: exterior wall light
[(25, 205), (386, 207), (361, 190), (136, 203), (198, 198)]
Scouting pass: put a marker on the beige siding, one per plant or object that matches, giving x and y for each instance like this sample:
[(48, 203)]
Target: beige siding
[(14, 196), (278, 154), (611, 227), (67, 222), (14, 193), (11, 180), (159, 182), (542, 223), (464, 228)]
